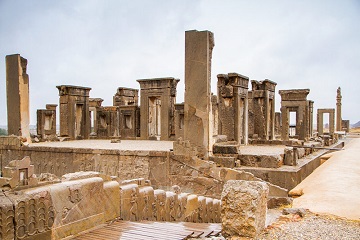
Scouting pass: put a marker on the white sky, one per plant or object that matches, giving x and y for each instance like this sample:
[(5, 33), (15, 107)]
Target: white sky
[(109, 44)]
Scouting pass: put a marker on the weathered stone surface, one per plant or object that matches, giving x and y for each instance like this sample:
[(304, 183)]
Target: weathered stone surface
[(78, 206), (265, 161), (275, 202), (290, 156), (299, 211), (226, 148), (145, 203), (17, 91), (243, 208), (128, 202), (7, 215), (224, 161), (111, 200), (197, 108)]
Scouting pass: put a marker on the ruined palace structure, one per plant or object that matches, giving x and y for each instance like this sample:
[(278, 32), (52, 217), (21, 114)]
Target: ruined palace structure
[(208, 133), (74, 112), (262, 110), (296, 101), (157, 108), (233, 107)]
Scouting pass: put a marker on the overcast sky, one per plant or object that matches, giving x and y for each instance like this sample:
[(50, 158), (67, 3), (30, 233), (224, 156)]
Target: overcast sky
[(109, 44)]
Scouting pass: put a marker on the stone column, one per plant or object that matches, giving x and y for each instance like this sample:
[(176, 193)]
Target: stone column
[(320, 122), (17, 91), (331, 121), (338, 110), (311, 118), (197, 108), (285, 118)]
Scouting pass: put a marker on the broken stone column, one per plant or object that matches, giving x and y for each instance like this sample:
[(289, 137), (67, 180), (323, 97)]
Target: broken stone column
[(74, 112), (197, 108), (179, 121), (338, 110), (243, 208), (17, 92)]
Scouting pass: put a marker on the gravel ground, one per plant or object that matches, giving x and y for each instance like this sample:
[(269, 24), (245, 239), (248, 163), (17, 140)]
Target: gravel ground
[(312, 226)]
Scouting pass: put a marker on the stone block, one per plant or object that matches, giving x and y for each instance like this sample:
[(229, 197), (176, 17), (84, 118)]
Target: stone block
[(223, 161), (243, 208), (128, 202), (7, 215), (111, 200), (225, 148), (265, 161), (170, 206), (217, 210), (159, 209), (191, 213), (209, 210), (78, 206), (145, 203), (182, 201), (34, 213), (290, 156), (201, 209)]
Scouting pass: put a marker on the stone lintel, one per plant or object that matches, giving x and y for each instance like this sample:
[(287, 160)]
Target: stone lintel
[(51, 107), (153, 83), (294, 94), (110, 108), (263, 85), (236, 80), (73, 90), (129, 92), (326, 110)]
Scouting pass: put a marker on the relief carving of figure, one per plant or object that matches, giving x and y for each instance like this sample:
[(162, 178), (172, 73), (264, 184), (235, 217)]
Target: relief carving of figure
[(134, 206)]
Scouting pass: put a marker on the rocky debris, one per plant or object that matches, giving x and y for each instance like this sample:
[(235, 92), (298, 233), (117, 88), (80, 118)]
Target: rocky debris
[(299, 211), (48, 177), (243, 208), (312, 226), (115, 140), (275, 202)]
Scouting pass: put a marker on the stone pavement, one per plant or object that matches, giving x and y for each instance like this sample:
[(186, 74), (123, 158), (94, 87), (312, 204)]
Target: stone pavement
[(334, 187)]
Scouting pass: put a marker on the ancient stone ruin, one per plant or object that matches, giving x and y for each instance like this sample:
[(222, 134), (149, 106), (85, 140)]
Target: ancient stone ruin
[(230, 153)]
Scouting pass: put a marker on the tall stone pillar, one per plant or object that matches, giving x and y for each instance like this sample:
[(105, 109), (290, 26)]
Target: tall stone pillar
[(17, 91), (338, 110), (197, 107)]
